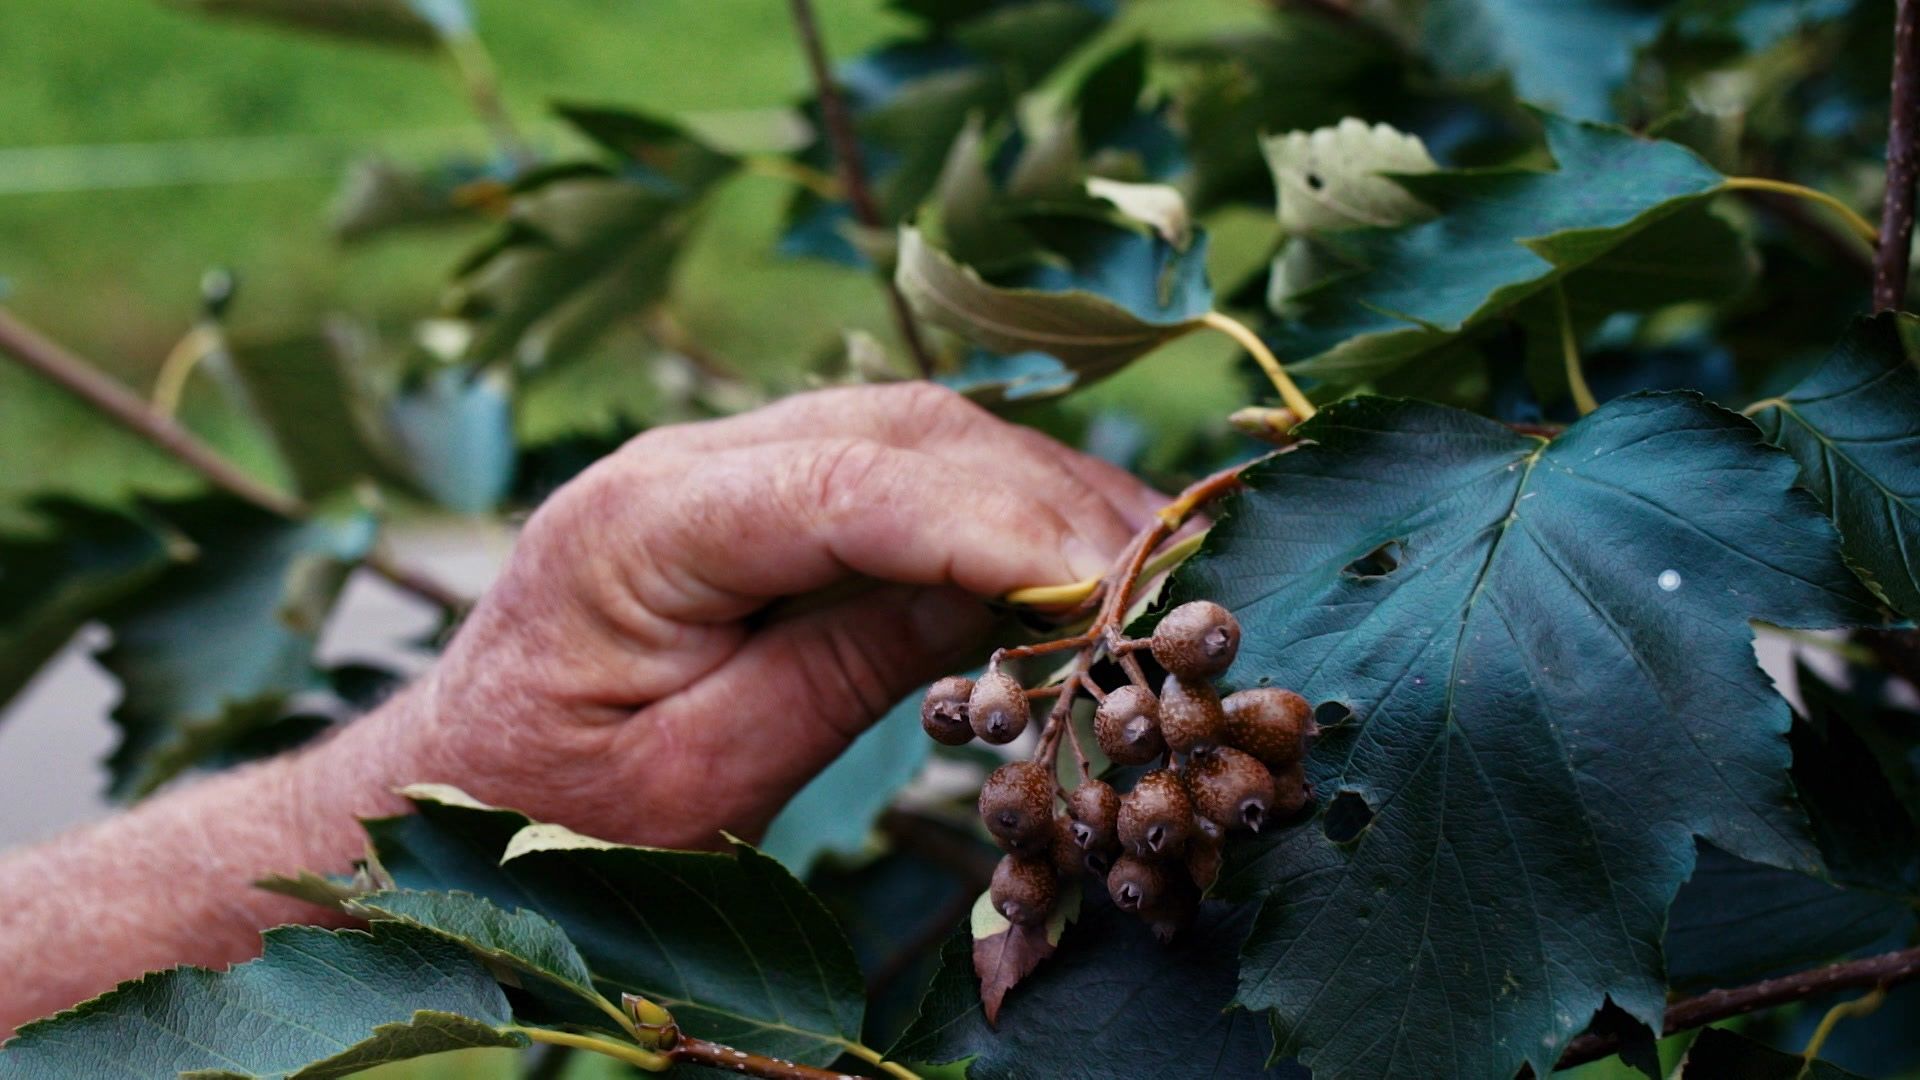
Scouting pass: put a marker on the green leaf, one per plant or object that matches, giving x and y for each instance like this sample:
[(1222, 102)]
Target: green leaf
[(55, 445), (1867, 835), (835, 813), (995, 380), (1565, 55), (1111, 1002), (415, 24), (1719, 1053), (1851, 426), (315, 395), (217, 645), (51, 587), (1340, 178), (580, 252), (1121, 295), (317, 1004), (1546, 651), (522, 940), (1735, 922), (453, 435), (378, 197), (732, 943), (1502, 235)]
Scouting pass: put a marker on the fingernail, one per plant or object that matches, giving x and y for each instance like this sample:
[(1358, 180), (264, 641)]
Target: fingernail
[(948, 620)]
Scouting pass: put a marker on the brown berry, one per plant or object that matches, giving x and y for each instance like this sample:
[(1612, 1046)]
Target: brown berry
[(1068, 860), (1095, 809), (1291, 792), (1270, 723), (943, 713), (1231, 788), (1190, 715), (1156, 816), (1206, 850), (1173, 910), (1016, 804), (1197, 640), (1023, 889), (998, 708), (1127, 725), (1136, 883)]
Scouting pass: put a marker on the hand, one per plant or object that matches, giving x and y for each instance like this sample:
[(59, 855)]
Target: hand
[(639, 673)]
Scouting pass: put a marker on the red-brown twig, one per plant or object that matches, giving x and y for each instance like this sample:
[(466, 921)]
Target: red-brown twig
[(692, 1051), (1115, 595), (1903, 162), (838, 121), (61, 366), (1884, 970)]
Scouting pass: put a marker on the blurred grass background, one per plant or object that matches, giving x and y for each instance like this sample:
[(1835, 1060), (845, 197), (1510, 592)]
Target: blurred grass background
[(142, 144), (246, 129)]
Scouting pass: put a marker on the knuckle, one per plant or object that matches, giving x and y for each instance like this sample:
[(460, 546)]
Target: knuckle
[(922, 408), (836, 476)]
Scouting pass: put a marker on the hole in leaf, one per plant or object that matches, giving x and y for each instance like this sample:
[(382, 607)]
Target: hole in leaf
[(1314, 183), (1347, 817), (1331, 714), (1379, 562)]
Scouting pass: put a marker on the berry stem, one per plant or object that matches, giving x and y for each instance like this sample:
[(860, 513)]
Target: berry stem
[(1861, 226), (1895, 240), (1269, 363), (1104, 634)]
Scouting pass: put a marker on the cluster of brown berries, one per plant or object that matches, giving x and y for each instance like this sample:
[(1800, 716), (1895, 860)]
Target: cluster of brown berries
[(1228, 765)]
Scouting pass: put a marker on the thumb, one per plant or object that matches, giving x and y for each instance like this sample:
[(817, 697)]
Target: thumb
[(730, 750)]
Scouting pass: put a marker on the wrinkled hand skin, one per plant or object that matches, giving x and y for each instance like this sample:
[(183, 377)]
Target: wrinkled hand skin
[(683, 636), (637, 673)]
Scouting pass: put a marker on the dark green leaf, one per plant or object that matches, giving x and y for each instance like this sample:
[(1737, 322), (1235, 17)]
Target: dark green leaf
[(731, 943), (50, 587), (1719, 1054), (378, 197), (1854, 426), (1566, 55), (317, 1004), (218, 644), (411, 23), (835, 813), (580, 252), (654, 150), (1111, 1004), (1735, 922), (522, 940), (1866, 834), (1546, 650), (1122, 295), (1502, 235)]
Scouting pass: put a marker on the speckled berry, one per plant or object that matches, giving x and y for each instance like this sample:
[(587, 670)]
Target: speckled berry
[(1230, 788), (1156, 816), (1270, 723), (1023, 889), (998, 708), (1016, 805), (943, 712), (1197, 640), (1190, 715), (1127, 726), (1136, 883)]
